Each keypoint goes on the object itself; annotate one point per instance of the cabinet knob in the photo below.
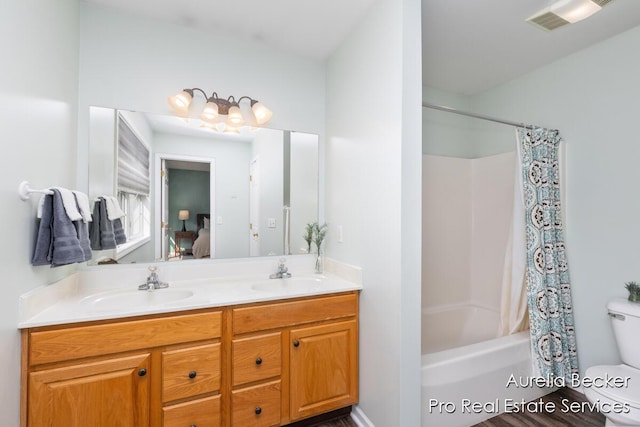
(192, 374)
(142, 372)
(258, 410)
(296, 343)
(259, 361)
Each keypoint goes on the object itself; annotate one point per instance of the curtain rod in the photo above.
(478, 116)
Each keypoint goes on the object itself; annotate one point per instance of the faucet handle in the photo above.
(153, 268)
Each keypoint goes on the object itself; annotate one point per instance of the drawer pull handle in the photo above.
(142, 372)
(192, 374)
(193, 425)
(258, 410)
(296, 343)
(259, 361)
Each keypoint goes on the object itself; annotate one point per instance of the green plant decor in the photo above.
(634, 291)
(309, 229)
(319, 233)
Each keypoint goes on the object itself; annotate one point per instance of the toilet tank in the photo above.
(625, 318)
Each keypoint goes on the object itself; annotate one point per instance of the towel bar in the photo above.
(25, 191)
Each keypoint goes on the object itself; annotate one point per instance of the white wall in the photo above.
(493, 179)
(133, 63)
(446, 230)
(467, 208)
(592, 97)
(38, 95)
(373, 182)
(447, 134)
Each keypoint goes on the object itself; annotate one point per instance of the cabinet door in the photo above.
(324, 371)
(107, 393)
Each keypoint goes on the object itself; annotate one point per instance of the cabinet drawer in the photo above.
(202, 413)
(96, 340)
(271, 316)
(257, 406)
(256, 358)
(190, 371)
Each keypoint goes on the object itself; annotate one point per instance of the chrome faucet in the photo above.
(283, 271)
(153, 282)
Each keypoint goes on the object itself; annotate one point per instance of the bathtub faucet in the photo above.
(283, 271)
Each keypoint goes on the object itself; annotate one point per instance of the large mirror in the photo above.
(208, 194)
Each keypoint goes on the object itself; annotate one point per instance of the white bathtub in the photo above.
(471, 368)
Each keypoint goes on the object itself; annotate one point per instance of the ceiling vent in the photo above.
(564, 12)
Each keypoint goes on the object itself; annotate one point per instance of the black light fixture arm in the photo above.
(223, 104)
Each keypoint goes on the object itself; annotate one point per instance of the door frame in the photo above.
(158, 187)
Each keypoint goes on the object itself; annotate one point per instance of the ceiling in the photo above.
(468, 45)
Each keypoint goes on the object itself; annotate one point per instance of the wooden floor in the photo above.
(339, 418)
(345, 421)
(556, 418)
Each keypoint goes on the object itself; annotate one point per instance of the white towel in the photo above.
(113, 208)
(69, 203)
(41, 206)
(83, 204)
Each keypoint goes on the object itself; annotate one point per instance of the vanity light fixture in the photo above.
(564, 12)
(219, 110)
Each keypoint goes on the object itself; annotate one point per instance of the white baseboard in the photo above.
(358, 416)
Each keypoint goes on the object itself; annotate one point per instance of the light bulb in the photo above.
(574, 10)
(262, 113)
(210, 112)
(181, 102)
(234, 118)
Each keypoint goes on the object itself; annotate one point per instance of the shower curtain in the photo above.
(537, 258)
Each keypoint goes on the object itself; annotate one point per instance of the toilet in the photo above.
(620, 404)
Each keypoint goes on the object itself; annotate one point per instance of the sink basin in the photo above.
(290, 285)
(135, 298)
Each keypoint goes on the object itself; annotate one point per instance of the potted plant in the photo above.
(634, 291)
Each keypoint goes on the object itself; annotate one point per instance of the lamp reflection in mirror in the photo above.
(183, 216)
(222, 111)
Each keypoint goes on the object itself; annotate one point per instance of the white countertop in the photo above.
(87, 296)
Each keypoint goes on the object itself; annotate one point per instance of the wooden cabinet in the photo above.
(323, 368)
(317, 341)
(129, 373)
(113, 392)
(263, 364)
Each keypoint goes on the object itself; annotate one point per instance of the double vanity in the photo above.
(228, 350)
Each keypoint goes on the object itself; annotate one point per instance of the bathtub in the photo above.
(465, 376)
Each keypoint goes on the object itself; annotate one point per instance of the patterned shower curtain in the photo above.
(548, 289)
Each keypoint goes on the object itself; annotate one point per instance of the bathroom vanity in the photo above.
(264, 363)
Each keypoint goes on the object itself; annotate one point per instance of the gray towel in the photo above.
(101, 233)
(57, 242)
(44, 239)
(82, 231)
(118, 231)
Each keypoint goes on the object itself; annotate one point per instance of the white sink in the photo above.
(135, 298)
(290, 285)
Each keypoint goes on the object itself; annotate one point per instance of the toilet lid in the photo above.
(629, 394)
